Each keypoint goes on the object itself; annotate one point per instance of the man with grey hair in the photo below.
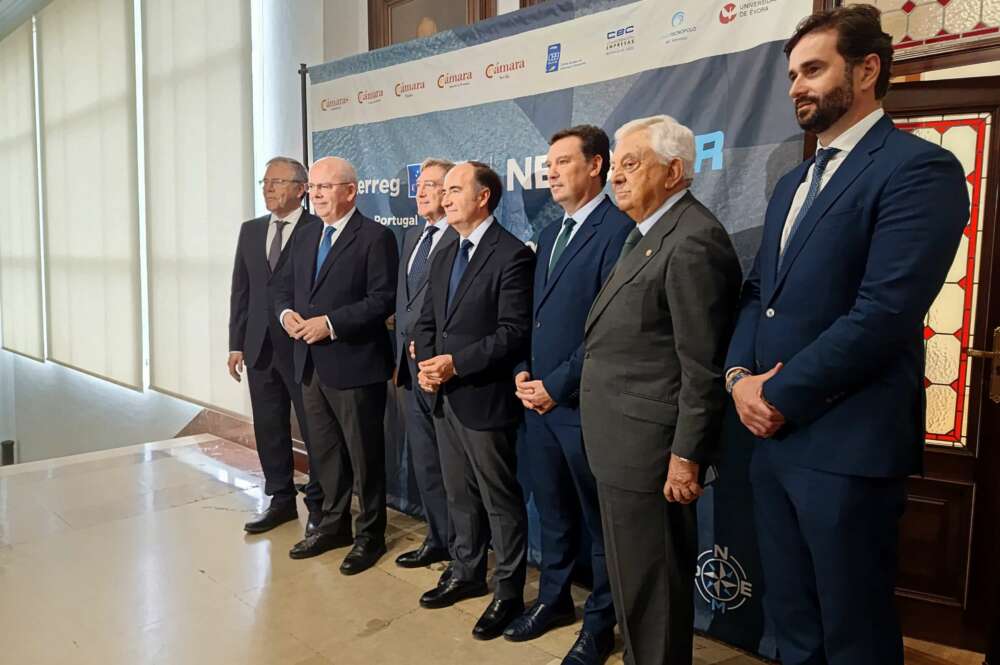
(333, 301)
(257, 342)
(420, 246)
(651, 391)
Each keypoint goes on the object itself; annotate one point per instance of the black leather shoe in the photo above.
(422, 556)
(275, 515)
(590, 648)
(497, 617)
(362, 557)
(446, 575)
(316, 543)
(449, 593)
(538, 620)
(313, 523)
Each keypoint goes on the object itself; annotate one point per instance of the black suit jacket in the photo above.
(487, 329)
(252, 320)
(410, 305)
(356, 288)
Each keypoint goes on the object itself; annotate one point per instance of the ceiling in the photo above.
(15, 12)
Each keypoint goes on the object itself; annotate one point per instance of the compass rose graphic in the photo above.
(721, 580)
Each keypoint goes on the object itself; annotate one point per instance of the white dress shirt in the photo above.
(844, 143)
(476, 236)
(648, 223)
(580, 216)
(272, 228)
(441, 225)
(338, 231)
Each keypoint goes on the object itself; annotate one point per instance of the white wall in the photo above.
(504, 6)
(7, 424)
(345, 28)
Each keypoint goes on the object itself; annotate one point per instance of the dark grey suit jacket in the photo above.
(409, 305)
(655, 342)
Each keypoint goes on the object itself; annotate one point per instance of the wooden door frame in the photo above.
(980, 465)
(380, 24)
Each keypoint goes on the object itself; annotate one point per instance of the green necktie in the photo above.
(633, 239)
(561, 242)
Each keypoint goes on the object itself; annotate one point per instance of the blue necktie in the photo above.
(823, 157)
(418, 271)
(324, 249)
(458, 269)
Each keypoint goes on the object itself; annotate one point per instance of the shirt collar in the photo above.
(646, 224)
(480, 231)
(581, 215)
(292, 218)
(340, 223)
(441, 224)
(846, 141)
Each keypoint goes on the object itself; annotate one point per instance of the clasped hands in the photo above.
(434, 371)
(533, 394)
(308, 330)
(756, 414)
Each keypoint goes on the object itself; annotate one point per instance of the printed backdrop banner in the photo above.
(496, 91)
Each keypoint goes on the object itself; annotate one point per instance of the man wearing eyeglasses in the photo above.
(258, 344)
(333, 301)
(420, 246)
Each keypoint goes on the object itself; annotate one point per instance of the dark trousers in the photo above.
(652, 550)
(566, 498)
(426, 460)
(828, 546)
(348, 443)
(273, 391)
(480, 471)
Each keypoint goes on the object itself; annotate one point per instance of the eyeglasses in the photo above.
(277, 182)
(630, 164)
(324, 186)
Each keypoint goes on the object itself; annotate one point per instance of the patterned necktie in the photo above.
(561, 242)
(458, 269)
(633, 239)
(418, 271)
(823, 157)
(274, 251)
(324, 249)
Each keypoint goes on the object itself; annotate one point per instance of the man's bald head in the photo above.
(333, 187)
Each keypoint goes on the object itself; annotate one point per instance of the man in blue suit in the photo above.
(826, 366)
(575, 256)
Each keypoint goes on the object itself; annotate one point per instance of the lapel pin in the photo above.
(649, 252)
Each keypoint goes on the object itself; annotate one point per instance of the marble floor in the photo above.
(137, 556)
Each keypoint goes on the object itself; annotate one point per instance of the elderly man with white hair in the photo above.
(652, 389)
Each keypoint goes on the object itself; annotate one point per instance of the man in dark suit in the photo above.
(575, 256)
(652, 393)
(338, 294)
(420, 246)
(472, 333)
(257, 341)
(826, 365)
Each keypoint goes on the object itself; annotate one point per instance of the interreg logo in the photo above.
(721, 580)
(678, 19)
(412, 173)
(552, 62)
(728, 13)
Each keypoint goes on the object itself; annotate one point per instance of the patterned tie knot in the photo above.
(823, 156)
(431, 230)
(569, 224)
(466, 246)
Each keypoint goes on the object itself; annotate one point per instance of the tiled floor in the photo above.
(137, 556)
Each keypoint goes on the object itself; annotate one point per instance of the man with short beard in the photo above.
(826, 366)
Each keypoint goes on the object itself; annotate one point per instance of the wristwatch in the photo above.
(734, 378)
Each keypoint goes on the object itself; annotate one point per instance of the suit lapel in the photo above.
(479, 259)
(447, 236)
(304, 220)
(347, 235)
(578, 242)
(410, 241)
(854, 165)
(777, 213)
(626, 269)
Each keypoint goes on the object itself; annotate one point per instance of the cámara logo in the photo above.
(332, 103)
(503, 69)
(454, 79)
(407, 89)
(369, 96)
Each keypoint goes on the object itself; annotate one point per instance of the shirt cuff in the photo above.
(329, 325)
(281, 318)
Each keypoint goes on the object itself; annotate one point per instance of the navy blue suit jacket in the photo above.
(563, 298)
(845, 313)
(356, 288)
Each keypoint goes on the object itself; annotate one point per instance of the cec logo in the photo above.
(721, 580)
(727, 14)
(552, 62)
(678, 19)
(412, 173)
(621, 32)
